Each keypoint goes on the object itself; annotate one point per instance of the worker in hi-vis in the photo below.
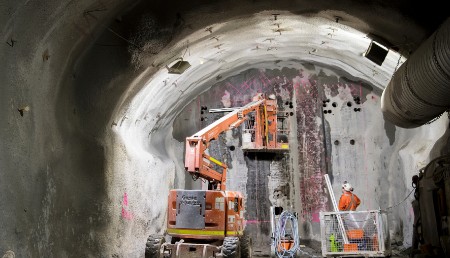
(348, 201)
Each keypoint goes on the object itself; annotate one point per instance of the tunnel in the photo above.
(98, 96)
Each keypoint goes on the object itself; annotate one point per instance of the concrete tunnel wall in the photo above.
(80, 175)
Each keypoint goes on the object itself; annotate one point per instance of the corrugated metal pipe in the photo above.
(419, 91)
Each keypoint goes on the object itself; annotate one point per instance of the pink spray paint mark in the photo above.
(125, 213)
(125, 199)
(315, 217)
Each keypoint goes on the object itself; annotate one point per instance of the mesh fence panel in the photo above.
(363, 231)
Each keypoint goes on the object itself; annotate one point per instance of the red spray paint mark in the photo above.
(311, 145)
(234, 87)
(125, 213)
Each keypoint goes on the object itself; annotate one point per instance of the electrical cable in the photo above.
(286, 219)
(399, 202)
(441, 159)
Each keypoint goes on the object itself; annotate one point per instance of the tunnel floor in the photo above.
(310, 249)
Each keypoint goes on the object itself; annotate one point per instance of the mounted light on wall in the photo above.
(178, 67)
(376, 52)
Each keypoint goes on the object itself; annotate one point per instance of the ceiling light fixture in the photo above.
(178, 67)
(376, 52)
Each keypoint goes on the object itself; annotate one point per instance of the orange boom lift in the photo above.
(210, 223)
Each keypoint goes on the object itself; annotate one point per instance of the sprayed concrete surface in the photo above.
(93, 125)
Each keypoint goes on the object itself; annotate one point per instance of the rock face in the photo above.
(93, 125)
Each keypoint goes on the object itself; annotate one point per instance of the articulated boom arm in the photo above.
(263, 129)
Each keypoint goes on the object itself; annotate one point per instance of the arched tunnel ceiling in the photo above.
(224, 49)
(229, 37)
(224, 33)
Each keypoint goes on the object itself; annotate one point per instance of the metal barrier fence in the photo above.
(366, 233)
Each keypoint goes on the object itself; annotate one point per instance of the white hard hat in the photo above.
(347, 187)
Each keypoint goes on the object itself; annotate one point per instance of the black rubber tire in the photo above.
(231, 247)
(153, 246)
(246, 244)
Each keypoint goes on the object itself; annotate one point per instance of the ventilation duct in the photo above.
(420, 89)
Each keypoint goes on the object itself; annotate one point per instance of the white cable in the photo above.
(286, 219)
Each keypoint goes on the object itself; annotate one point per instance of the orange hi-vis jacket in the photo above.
(349, 201)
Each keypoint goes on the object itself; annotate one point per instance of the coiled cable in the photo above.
(287, 226)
